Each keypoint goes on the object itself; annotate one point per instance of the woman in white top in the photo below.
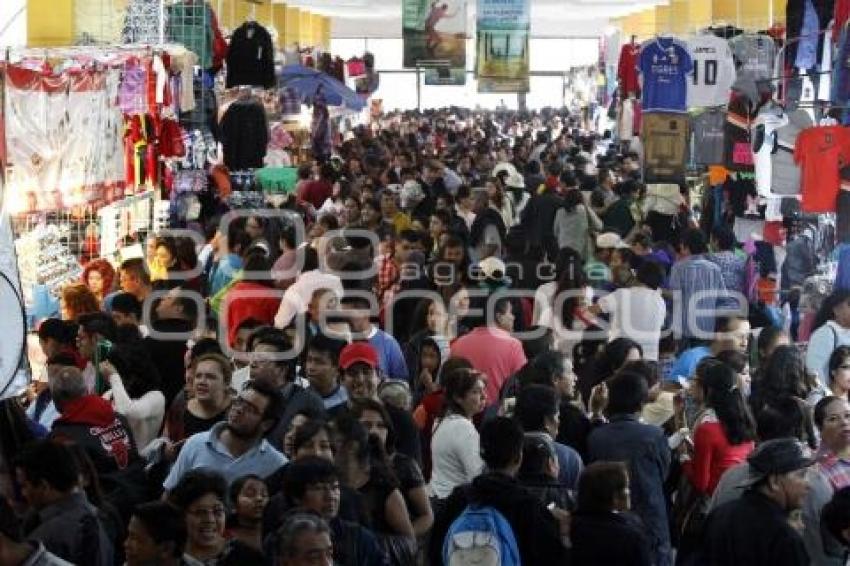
(455, 458)
(134, 390)
(637, 312)
(832, 325)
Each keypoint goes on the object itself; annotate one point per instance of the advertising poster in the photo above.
(434, 33)
(445, 76)
(502, 61)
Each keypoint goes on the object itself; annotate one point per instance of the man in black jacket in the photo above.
(755, 529)
(60, 516)
(537, 530)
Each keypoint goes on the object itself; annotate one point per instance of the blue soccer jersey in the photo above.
(665, 64)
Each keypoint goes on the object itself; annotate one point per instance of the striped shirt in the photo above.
(701, 292)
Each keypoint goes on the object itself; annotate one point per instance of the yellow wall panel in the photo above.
(316, 29)
(293, 26)
(50, 23)
(662, 20)
(779, 11)
(279, 19)
(645, 23)
(306, 34)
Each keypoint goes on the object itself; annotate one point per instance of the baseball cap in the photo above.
(515, 181)
(358, 352)
(610, 240)
(777, 456)
(493, 268)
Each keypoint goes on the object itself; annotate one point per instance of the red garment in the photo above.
(821, 152)
(493, 352)
(842, 15)
(627, 71)
(259, 302)
(315, 192)
(713, 455)
(91, 410)
(219, 46)
(425, 416)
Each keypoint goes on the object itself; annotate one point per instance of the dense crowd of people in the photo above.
(468, 337)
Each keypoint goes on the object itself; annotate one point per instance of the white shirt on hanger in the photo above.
(714, 71)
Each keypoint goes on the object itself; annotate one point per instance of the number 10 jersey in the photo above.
(714, 71)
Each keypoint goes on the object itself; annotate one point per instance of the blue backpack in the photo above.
(481, 536)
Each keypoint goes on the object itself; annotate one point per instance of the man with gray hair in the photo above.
(89, 421)
(304, 539)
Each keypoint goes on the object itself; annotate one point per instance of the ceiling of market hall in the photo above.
(382, 18)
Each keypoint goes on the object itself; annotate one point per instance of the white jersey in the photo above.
(714, 71)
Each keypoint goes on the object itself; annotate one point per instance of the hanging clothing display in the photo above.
(63, 135)
(739, 117)
(821, 151)
(841, 15)
(191, 24)
(250, 57)
(708, 129)
(755, 55)
(665, 143)
(795, 11)
(769, 119)
(244, 134)
(785, 173)
(627, 70)
(841, 73)
(714, 71)
(141, 22)
(665, 64)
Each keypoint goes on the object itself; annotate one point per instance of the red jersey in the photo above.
(821, 152)
(627, 71)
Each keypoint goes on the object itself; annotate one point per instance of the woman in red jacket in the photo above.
(723, 431)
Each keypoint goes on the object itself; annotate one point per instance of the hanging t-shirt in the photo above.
(807, 46)
(841, 69)
(754, 55)
(785, 176)
(739, 117)
(665, 139)
(708, 128)
(714, 71)
(627, 70)
(665, 65)
(821, 151)
(841, 16)
(763, 133)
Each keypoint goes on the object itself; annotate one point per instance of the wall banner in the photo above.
(502, 60)
(434, 33)
(445, 76)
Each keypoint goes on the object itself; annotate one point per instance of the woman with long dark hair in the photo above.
(135, 390)
(454, 444)
(831, 330)
(560, 305)
(839, 372)
(374, 416)
(363, 467)
(724, 430)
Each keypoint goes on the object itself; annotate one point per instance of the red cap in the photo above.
(358, 352)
